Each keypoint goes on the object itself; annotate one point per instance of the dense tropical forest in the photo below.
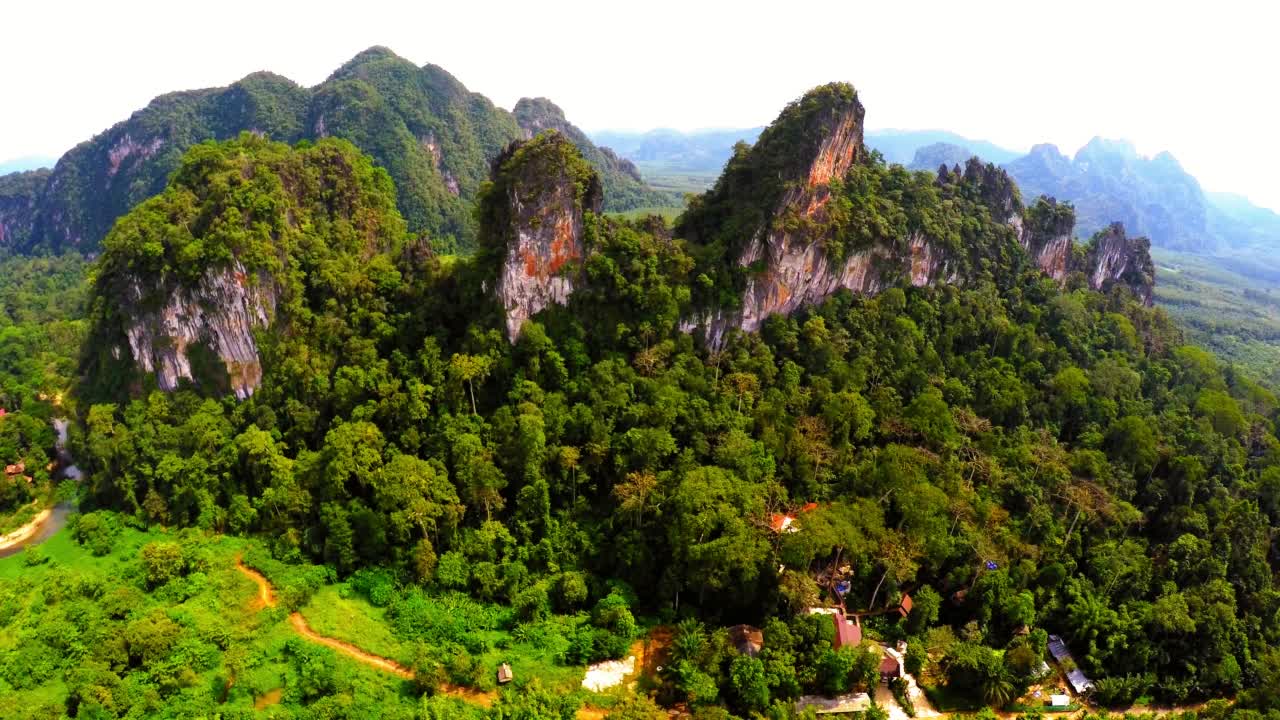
(972, 466)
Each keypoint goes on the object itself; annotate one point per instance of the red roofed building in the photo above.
(781, 522)
(905, 607)
(889, 669)
(847, 633)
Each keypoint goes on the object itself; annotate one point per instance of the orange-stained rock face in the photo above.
(546, 230)
(838, 151)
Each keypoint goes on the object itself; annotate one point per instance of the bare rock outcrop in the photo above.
(251, 245)
(794, 255)
(1114, 259)
(220, 313)
(1045, 231)
(533, 219)
(825, 133)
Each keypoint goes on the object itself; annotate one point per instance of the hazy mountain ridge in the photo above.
(1108, 181)
(696, 151)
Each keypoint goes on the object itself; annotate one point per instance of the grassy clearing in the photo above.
(336, 613)
(668, 212)
(243, 650)
(247, 655)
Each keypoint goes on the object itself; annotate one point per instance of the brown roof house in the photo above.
(504, 674)
(746, 639)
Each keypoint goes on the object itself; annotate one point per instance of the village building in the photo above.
(785, 522)
(746, 639)
(904, 608)
(1079, 681)
(504, 674)
(890, 668)
(847, 633)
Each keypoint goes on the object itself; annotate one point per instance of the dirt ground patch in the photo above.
(272, 697)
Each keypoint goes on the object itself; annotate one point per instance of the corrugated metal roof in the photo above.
(1060, 652)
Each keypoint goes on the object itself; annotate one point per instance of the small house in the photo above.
(781, 523)
(504, 674)
(889, 669)
(847, 633)
(1059, 701)
(904, 608)
(746, 639)
(1061, 653)
(785, 522)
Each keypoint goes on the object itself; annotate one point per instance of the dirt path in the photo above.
(268, 599)
(300, 624)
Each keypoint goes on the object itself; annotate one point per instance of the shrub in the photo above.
(162, 562)
(96, 531)
(451, 571)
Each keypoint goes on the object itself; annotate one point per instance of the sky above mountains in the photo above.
(1177, 76)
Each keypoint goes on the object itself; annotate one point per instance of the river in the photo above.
(57, 519)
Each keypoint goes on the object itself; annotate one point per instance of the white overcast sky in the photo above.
(1194, 78)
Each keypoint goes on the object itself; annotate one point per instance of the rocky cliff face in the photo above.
(796, 270)
(787, 261)
(1113, 258)
(970, 220)
(1045, 231)
(220, 313)
(177, 297)
(533, 219)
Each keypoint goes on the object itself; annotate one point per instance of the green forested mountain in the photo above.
(624, 189)
(19, 195)
(433, 136)
(952, 401)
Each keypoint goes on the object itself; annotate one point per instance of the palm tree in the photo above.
(997, 688)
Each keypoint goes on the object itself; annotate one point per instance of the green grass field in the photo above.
(1228, 305)
(238, 654)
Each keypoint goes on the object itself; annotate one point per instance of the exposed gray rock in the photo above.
(1114, 258)
(221, 313)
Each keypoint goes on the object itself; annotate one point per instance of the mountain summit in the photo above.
(434, 136)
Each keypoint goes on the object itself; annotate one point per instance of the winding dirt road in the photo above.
(268, 599)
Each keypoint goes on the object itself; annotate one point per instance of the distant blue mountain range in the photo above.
(26, 163)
